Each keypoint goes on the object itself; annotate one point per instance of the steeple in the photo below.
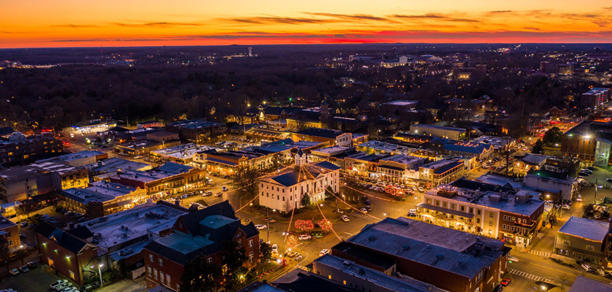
(300, 158)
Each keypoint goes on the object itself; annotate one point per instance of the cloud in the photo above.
(349, 16)
(75, 25)
(156, 24)
(440, 17)
(531, 28)
(276, 20)
(6, 32)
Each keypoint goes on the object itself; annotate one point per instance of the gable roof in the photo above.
(69, 240)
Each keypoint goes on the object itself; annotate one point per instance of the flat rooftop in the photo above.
(375, 277)
(138, 221)
(116, 164)
(586, 228)
(447, 249)
(57, 166)
(436, 127)
(5, 223)
(75, 156)
(184, 243)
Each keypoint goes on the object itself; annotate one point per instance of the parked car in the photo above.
(305, 237)
(209, 193)
(586, 267)
(505, 282)
(601, 272)
(260, 226)
(298, 257)
(323, 252)
(275, 248)
(565, 207)
(579, 198)
(23, 223)
(364, 210)
(31, 265)
(219, 194)
(224, 188)
(57, 283)
(421, 189)
(14, 272)
(345, 218)
(270, 220)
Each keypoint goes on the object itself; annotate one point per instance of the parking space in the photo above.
(37, 279)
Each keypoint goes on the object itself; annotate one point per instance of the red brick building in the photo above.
(198, 233)
(69, 253)
(446, 258)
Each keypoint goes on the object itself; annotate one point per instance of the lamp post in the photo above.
(100, 273)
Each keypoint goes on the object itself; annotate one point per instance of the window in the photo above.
(491, 214)
(478, 220)
(168, 279)
(590, 247)
(566, 242)
(160, 261)
(490, 223)
(161, 276)
(471, 210)
(462, 208)
(155, 274)
(150, 257)
(478, 211)
(505, 218)
(250, 243)
(209, 260)
(504, 226)
(149, 271)
(71, 274)
(251, 257)
(444, 204)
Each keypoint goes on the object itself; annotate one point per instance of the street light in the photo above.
(100, 273)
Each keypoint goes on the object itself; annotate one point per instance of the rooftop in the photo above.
(194, 124)
(372, 276)
(136, 222)
(446, 249)
(586, 228)
(116, 164)
(436, 127)
(56, 166)
(5, 223)
(74, 156)
(184, 243)
(402, 102)
(583, 284)
(325, 133)
(548, 174)
(289, 176)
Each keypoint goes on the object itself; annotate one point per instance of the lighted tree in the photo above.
(326, 225)
(304, 225)
(291, 241)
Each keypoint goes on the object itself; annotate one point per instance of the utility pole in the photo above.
(596, 187)
(268, 227)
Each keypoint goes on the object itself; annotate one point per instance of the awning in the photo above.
(445, 210)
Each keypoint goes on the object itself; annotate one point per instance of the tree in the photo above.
(326, 225)
(553, 136)
(234, 257)
(304, 225)
(329, 192)
(305, 200)
(266, 251)
(538, 147)
(245, 179)
(200, 275)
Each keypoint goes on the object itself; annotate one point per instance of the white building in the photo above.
(285, 189)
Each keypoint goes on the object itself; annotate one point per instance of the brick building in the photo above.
(199, 233)
(446, 258)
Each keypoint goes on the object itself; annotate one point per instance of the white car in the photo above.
(565, 207)
(305, 237)
(421, 189)
(345, 218)
(323, 252)
(364, 210)
(275, 248)
(579, 198)
(260, 226)
(513, 259)
(58, 283)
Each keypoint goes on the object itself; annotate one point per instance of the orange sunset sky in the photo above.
(72, 23)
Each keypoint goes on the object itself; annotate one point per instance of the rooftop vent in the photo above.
(346, 263)
(439, 256)
(405, 247)
(372, 238)
(361, 271)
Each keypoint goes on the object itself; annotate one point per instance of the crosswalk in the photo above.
(361, 215)
(540, 253)
(526, 275)
(301, 267)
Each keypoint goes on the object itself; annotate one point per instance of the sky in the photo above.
(108, 23)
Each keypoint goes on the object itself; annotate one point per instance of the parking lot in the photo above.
(37, 279)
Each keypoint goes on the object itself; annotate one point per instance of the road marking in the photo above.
(301, 267)
(526, 275)
(540, 253)
(350, 234)
(571, 274)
